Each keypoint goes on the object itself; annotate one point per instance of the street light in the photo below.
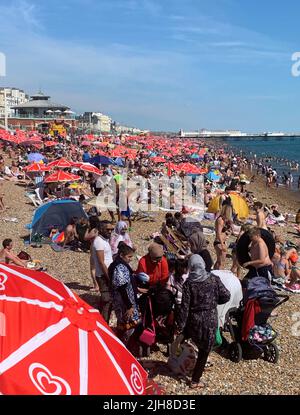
(5, 111)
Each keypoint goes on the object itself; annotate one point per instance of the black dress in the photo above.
(198, 316)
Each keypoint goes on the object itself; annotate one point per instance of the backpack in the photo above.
(24, 256)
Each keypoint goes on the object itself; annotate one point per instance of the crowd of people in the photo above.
(179, 258)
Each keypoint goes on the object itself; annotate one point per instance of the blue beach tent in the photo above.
(55, 214)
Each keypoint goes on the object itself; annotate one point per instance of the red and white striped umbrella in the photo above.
(36, 167)
(61, 176)
(61, 163)
(90, 168)
(53, 343)
(50, 143)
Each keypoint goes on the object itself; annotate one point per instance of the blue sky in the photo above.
(159, 64)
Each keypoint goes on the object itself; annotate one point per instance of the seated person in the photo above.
(293, 280)
(280, 264)
(70, 233)
(7, 256)
(155, 265)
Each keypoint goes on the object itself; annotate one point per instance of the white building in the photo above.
(14, 96)
(95, 122)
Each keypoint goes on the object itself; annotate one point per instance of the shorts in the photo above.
(126, 213)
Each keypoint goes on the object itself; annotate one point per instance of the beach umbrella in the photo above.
(90, 168)
(49, 112)
(58, 111)
(61, 163)
(35, 157)
(54, 343)
(36, 167)
(239, 204)
(158, 160)
(50, 143)
(61, 177)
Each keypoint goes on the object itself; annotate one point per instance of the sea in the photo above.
(283, 153)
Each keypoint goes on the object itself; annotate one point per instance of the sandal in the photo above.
(199, 385)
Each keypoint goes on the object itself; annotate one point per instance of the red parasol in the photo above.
(61, 163)
(53, 343)
(50, 143)
(61, 176)
(90, 168)
(36, 167)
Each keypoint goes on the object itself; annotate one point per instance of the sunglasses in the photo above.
(158, 258)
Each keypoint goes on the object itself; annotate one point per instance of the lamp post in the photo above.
(5, 111)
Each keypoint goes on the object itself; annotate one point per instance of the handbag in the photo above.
(183, 356)
(148, 335)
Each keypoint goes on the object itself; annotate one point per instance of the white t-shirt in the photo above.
(101, 244)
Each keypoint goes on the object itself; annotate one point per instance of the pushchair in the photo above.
(157, 309)
(261, 339)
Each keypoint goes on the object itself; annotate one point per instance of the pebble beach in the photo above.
(249, 377)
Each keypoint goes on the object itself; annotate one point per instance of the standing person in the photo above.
(124, 292)
(260, 263)
(222, 226)
(2, 206)
(198, 317)
(120, 234)
(236, 267)
(101, 258)
(260, 216)
(198, 244)
(155, 265)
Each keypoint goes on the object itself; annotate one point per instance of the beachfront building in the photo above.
(95, 122)
(40, 113)
(10, 97)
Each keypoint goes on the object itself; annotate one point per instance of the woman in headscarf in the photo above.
(198, 244)
(120, 234)
(124, 292)
(198, 317)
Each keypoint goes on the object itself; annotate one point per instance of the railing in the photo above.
(44, 116)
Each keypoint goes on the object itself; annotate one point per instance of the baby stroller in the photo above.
(258, 340)
(157, 308)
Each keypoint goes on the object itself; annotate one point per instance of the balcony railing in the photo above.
(46, 117)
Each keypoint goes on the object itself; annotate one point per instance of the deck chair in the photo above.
(173, 249)
(178, 239)
(33, 198)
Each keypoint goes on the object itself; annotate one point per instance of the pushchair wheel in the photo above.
(144, 351)
(235, 352)
(271, 353)
(141, 350)
(148, 351)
